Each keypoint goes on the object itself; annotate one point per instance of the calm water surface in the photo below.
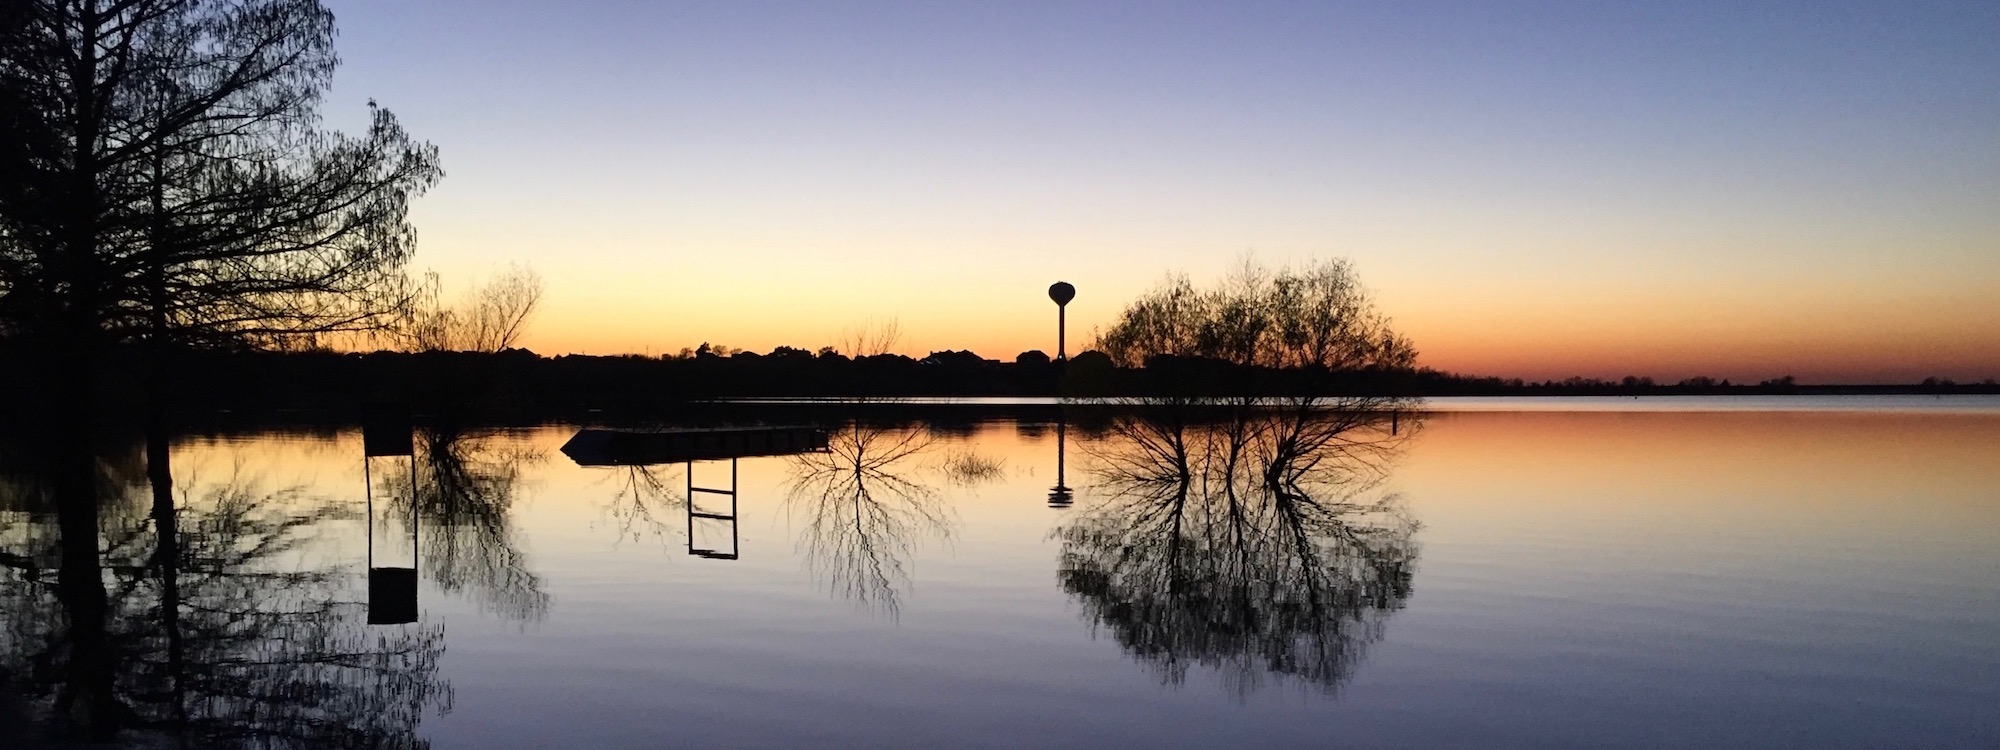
(1661, 578)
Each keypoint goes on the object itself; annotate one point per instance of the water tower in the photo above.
(1062, 293)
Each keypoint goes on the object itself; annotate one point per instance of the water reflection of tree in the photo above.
(863, 514)
(465, 499)
(220, 632)
(645, 503)
(1243, 545)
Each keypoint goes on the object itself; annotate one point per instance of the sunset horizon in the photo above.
(1849, 348)
(1739, 193)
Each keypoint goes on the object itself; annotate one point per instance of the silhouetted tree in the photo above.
(870, 338)
(1268, 348)
(166, 177)
(1314, 320)
(490, 318)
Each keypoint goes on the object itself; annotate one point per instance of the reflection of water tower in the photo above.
(386, 444)
(1060, 496)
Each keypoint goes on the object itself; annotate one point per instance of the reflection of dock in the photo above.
(594, 447)
(597, 447)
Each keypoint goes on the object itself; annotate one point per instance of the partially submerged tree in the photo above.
(1280, 343)
(1316, 317)
(165, 178)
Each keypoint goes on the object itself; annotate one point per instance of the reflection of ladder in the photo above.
(695, 511)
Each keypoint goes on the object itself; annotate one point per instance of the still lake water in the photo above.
(1547, 577)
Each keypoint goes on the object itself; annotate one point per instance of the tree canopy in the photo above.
(167, 176)
(1318, 316)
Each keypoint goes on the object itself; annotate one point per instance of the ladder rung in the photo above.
(705, 489)
(716, 516)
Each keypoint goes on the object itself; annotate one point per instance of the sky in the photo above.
(1535, 190)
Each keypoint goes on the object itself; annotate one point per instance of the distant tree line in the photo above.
(517, 382)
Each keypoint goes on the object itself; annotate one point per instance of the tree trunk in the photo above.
(87, 702)
(166, 561)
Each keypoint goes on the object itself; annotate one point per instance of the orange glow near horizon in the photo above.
(1847, 336)
(1883, 357)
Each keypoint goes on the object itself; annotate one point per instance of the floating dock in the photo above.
(603, 447)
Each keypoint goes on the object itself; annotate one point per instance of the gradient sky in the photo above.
(1535, 190)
